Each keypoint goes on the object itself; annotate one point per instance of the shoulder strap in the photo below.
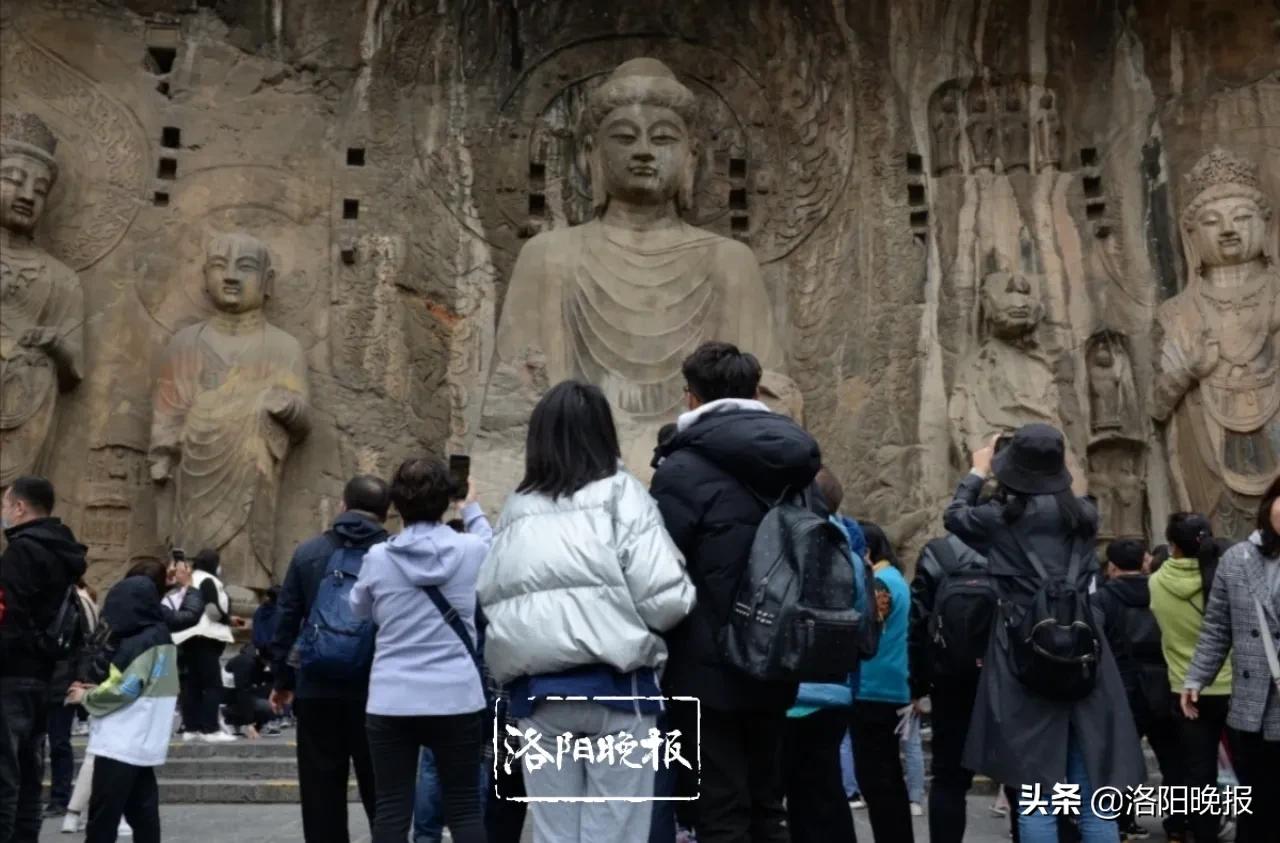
(1073, 566)
(944, 554)
(454, 620)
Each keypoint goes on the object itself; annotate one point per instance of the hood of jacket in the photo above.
(764, 451)
(1134, 590)
(132, 614)
(1181, 577)
(359, 529)
(419, 557)
(56, 539)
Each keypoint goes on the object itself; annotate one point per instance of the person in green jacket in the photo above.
(1179, 592)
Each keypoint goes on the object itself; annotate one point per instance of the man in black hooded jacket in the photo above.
(331, 735)
(730, 458)
(42, 560)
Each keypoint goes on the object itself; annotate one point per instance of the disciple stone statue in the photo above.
(1005, 382)
(1015, 131)
(1048, 134)
(621, 300)
(41, 302)
(946, 136)
(230, 399)
(1107, 383)
(1218, 383)
(981, 127)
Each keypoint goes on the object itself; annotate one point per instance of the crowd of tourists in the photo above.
(738, 613)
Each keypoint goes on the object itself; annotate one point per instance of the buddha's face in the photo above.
(1228, 231)
(1012, 303)
(236, 275)
(643, 149)
(25, 183)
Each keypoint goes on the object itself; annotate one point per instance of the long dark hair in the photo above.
(572, 441)
(878, 545)
(1071, 512)
(1192, 534)
(1270, 538)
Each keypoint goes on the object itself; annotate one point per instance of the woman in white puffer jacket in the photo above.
(579, 584)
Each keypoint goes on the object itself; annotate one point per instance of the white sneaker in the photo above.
(917, 810)
(188, 737)
(70, 823)
(124, 830)
(218, 737)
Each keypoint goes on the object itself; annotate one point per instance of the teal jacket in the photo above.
(884, 677)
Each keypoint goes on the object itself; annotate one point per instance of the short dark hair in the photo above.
(572, 441)
(1159, 554)
(206, 560)
(830, 488)
(1126, 554)
(35, 492)
(420, 489)
(367, 494)
(718, 370)
(152, 569)
(667, 432)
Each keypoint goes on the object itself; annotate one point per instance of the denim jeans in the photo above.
(62, 762)
(913, 762)
(847, 773)
(428, 802)
(1042, 827)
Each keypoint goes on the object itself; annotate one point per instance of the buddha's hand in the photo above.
(1210, 352)
(161, 468)
(43, 338)
(283, 405)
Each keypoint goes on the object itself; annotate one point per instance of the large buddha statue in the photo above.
(41, 302)
(1218, 383)
(230, 399)
(621, 300)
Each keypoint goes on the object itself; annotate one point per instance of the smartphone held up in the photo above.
(460, 475)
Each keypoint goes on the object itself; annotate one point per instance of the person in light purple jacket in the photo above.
(425, 689)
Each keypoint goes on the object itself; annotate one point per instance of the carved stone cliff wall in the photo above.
(881, 159)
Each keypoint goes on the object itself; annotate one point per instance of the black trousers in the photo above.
(875, 757)
(62, 760)
(8, 777)
(1160, 728)
(456, 742)
(202, 689)
(817, 809)
(123, 790)
(331, 740)
(742, 784)
(952, 708)
(1199, 740)
(26, 707)
(1257, 764)
(504, 818)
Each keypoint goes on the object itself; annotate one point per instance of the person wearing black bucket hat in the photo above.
(1034, 523)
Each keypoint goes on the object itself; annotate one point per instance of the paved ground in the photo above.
(283, 824)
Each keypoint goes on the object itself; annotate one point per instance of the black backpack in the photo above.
(1141, 658)
(1054, 643)
(66, 633)
(795, 615)
(964, 606)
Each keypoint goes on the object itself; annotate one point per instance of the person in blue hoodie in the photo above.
(426, 688)
(882, 693)
(817, 810)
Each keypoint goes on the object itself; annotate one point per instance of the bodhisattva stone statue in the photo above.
(981, 127)
(1105, 385)
(1218, 382)
(41, 302)
(621, 300)
(1015, 130)
(1005, 382)
(230, 399)
(946, 135)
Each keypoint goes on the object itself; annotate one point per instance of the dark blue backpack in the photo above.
(334, 643)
